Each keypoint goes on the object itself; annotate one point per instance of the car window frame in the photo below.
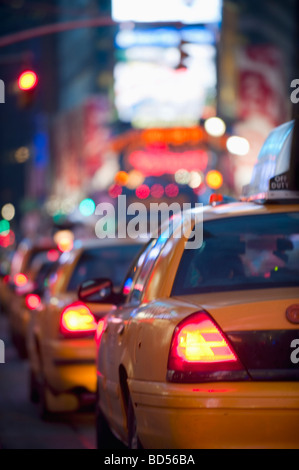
(160, 243)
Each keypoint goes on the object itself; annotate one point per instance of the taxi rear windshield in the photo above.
(111, 262)
(240, 253)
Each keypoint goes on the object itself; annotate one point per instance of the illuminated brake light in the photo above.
(20, 280)
(199, 345)
(32, 301)
(77, 319)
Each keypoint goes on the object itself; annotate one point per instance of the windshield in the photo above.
(110, 262)
(240, 253)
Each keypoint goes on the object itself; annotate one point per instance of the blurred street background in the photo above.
(157, 100)
(123, 106)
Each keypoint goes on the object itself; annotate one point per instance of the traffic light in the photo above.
(27, 82)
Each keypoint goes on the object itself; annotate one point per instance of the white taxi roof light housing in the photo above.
(270, 179)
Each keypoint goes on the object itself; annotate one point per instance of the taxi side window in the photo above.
(141, 277)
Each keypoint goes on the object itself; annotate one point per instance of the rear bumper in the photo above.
(69, 365)
(226, 415)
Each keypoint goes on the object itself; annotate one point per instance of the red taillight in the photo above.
(32, 301)
(198, 345)
(77, 319)
(20, 280)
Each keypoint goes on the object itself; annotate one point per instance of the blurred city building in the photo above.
(258, 59)
(129, 107)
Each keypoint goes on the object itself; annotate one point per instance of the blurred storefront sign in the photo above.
(96, 114)
(157, 162)
(262, 84)
(165, 77)
(163, 37)
(183, 11)
(227, 65)
(175, 136)
(261, 104)
(80, 139)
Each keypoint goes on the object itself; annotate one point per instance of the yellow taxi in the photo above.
(27, 293)
(29, 266)
(60, 338)
(5, 262)
(204, 351)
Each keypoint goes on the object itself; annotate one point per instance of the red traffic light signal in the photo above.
(27, 80)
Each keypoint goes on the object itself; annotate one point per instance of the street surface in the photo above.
(20, 425)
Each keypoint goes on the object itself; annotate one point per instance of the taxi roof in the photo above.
(237, 209)
(97, 242)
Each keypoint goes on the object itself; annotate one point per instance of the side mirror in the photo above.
(96, 290)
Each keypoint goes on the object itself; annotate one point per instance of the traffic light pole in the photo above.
(54, 28)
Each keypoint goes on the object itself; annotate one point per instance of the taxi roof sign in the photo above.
(270, 179)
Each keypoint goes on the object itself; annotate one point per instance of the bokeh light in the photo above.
(121, 178)
(33, 301)
(27, 80)
(214, 179)
(238, 145)
(7, 239)
(22, 154)
(20, 280)
(8, 211)
(135, 179)
(53, 255)
(196, 178)
(115, 190)
(87, 207)
(171, 190)
(157, 191)
(143, 191)
(64, 240)
(182, 176)
(215, 127)
(4, 227)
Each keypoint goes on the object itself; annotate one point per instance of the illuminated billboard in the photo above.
(153, 11)
(154, 87)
